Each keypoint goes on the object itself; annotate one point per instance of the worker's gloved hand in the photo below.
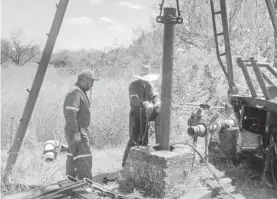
(84, 131)
(157, 104)
(77, 137)
(84, 134)
(147, 104)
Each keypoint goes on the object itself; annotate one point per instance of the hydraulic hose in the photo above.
(207, 165)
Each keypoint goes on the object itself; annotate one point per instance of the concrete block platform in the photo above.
(161, 174)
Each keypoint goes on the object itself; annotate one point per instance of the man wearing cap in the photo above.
(144, 108)
(76, 111)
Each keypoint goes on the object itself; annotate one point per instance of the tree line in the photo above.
(17, 49)
(250, 28)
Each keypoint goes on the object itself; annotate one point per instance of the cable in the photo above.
(161, 7)
(178, 9)
(206, 163)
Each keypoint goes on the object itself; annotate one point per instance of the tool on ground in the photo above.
(53, 193)
(104, 192)
(73, 187)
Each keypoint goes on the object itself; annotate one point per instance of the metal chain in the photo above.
(161, 8)
(178, 19)
(178, 9)
(159, 18)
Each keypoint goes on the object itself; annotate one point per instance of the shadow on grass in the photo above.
(247, 176)
(115, 182)
(105, 178)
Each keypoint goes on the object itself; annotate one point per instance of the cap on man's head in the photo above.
(86, 73)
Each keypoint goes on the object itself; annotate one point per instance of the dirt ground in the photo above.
(242, 181)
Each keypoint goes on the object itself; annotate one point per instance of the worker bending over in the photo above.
(144, 107)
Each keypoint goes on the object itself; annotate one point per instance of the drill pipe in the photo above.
(199, 130)
(217, 126)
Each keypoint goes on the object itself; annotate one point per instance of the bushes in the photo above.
(197, 78)
(17, 50)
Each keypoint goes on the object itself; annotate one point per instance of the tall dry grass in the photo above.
(109, 107)
(197, 78)
(109, 123)
(31, 171)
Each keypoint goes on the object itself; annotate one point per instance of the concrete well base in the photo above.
(161, 174)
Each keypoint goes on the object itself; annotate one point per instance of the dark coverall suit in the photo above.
(77, 116)
(138, 94)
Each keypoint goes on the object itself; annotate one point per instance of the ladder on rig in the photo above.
(228, 71)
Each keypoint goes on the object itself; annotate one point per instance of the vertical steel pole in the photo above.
(232, 87)
(167, 71)
(272, 15)
(32, 98)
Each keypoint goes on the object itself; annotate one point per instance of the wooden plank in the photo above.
(32, 98)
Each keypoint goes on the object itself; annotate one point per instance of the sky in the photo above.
(88, 24)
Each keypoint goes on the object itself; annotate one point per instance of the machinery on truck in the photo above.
(254, 126)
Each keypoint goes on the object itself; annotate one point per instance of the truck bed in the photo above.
(258, 102)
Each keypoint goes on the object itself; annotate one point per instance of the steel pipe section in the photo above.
(202, 129)
(199, 130)
(217, 126)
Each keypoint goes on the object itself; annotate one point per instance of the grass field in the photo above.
(109, 122)
(109, 107)
(196, 79)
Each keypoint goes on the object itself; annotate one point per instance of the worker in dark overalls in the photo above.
(144, 103)
(77, 117)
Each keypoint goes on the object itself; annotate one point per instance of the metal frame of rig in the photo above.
(255, 114)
